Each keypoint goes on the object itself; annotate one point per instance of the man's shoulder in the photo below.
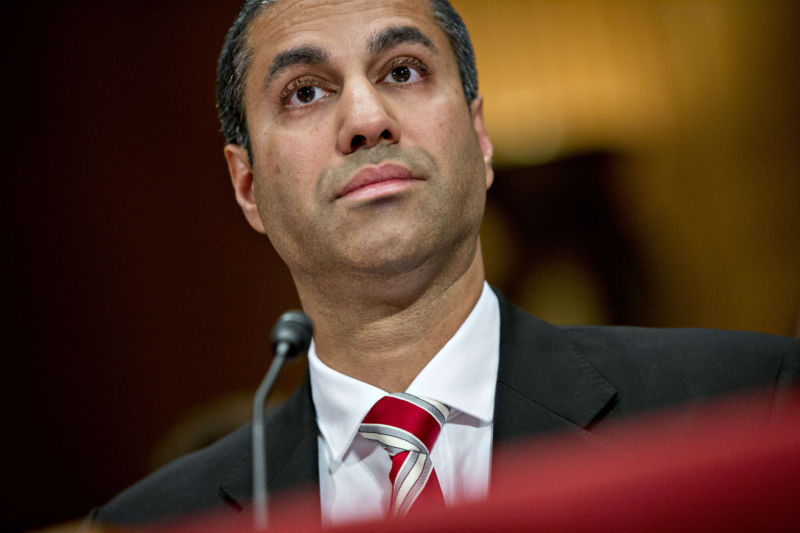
(188, 484)
(687, 346)
(689, 343)
(653, 367)
(662, 366)
(219, 476)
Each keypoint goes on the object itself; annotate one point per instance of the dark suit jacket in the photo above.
(550, 379)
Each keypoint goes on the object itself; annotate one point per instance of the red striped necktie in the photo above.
(407, 427)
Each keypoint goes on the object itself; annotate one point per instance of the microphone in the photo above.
(290, 336)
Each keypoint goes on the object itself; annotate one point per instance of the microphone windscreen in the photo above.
(295, 329)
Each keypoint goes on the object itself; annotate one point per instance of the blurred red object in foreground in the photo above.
(733, 465)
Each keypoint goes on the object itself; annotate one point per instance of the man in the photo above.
(356, 143)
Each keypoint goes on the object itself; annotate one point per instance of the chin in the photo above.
(387, 264)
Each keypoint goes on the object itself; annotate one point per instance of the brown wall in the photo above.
(137, 289)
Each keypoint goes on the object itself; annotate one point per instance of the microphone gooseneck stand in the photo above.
(290, 337)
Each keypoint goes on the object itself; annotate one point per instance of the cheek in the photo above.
(452, 136)
(444, 122)
(285, 177)
(286, 191)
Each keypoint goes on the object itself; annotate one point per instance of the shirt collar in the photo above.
(462, 375)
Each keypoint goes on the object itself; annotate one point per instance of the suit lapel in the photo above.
(544, 384)
(292, 457)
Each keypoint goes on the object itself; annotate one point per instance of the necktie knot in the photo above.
(407, 427)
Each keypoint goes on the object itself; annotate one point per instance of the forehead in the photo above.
(333, 23)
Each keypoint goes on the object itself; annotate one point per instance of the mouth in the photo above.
(374, 182)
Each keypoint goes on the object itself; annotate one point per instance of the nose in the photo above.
(366, 119)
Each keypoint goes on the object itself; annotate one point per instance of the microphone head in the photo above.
(294, 329)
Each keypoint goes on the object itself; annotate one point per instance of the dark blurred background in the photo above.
(647, 161)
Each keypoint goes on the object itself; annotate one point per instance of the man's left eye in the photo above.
(403, 74)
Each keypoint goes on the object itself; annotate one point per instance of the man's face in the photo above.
(366, 157)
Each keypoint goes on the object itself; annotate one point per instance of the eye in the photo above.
(302, 93)
(405, 71)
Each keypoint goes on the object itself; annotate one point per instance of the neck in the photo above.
(383, 332)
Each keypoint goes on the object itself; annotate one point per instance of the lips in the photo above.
(386, 177)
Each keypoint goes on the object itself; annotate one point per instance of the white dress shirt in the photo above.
(354, 472)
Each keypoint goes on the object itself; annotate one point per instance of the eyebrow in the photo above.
(314, 55)
(301, 55)
(395, 35)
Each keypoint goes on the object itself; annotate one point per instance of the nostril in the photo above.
(357, 142)
(386, 134)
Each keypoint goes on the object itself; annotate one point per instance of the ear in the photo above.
(476, 107)
(242, 179)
